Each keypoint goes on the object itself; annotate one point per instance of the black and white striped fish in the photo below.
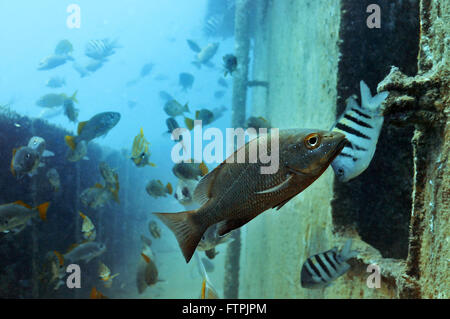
(320, 270)
(101, 49)
(361, 126)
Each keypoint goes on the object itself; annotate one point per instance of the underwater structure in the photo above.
(25, 256)
(397, 210)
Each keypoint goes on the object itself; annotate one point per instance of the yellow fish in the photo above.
(105, 274)
(88, 228)
(140, 153)
(95, 294)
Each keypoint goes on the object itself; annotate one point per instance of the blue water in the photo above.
(148, 32)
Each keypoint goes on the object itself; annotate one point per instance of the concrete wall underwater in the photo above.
(313, 54)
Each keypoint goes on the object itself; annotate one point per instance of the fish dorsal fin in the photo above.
(203, 289)
(80, 126)
(202, 191)
(82, 215)
(60, 258)
(351, 103)
(203, 168)
(21, 203)
(189, 123)
(169, 188)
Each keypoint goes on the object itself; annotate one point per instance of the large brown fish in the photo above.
(235, 193)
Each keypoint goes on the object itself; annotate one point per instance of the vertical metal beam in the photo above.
(241, 33)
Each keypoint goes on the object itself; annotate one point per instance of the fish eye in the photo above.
(312, 141)
(340, 172)
(27, 156)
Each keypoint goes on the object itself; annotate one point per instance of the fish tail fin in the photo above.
(70, 141)
(42, 209)
(189, 123)
(74, 96)
(370, 102)
(60, 258)
(346, 252)
(186, 107)
(187, 232)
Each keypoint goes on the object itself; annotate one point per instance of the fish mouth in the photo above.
(339, 147)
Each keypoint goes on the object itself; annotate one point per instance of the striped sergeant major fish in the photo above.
(320, 270)
(361, 126)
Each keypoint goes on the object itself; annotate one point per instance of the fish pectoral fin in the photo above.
(276, 188)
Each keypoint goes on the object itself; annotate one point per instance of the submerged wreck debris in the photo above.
(415, 100)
